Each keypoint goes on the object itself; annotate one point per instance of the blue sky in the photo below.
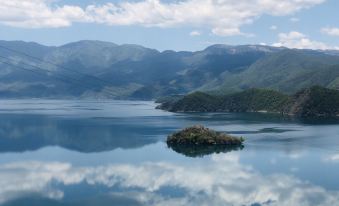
(174, 24)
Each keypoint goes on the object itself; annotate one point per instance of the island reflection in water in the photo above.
(203, 150)
(66, 154)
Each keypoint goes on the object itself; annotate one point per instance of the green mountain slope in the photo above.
(286, 71)
(247, 101)
(312, 102)
(315, 101)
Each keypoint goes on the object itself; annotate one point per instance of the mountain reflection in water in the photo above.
(31, 132)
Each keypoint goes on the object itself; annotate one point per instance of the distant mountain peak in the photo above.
(242, 48)
(83, 43)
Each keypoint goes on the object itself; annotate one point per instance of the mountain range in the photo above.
(96, 69)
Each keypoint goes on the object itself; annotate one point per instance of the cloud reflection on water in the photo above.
(221, 181)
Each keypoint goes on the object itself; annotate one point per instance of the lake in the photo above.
(67, 152)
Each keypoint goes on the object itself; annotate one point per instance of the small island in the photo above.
(198, 141)
(202, 136)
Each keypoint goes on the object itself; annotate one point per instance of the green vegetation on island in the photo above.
(312, 102)
(199, 135)
(198, 141)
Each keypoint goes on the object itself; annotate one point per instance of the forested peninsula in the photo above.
(311, 102)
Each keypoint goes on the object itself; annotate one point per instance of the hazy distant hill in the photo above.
(98, 69)
(287, 70)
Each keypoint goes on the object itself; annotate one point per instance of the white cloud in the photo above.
(223, 17)
(294, 19)
(37, 13)
(195, 33)
(332, 31)
(298, 40)
(273, 27)
(333, 158)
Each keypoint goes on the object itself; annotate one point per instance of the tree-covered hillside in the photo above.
(311, 102)
(247, 101)
(316, 100)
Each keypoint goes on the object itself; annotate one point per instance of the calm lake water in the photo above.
(114, 153)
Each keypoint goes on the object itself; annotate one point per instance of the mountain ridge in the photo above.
(98, 69)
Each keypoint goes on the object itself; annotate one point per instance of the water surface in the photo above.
(63, 152)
